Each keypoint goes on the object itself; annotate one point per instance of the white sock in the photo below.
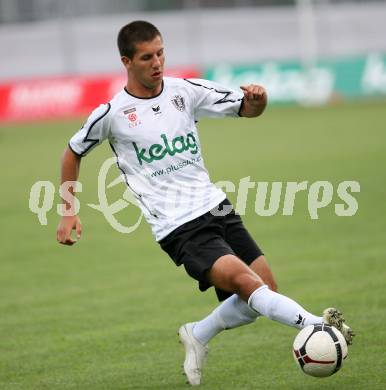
(279, 308)
(231, 313)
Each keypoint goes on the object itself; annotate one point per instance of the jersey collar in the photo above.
(146, 98)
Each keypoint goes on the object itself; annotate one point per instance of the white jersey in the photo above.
(157, 147)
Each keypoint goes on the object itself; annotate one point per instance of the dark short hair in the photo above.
(133, 33)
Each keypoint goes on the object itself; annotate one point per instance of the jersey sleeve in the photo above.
(94, 131)
(211, 99)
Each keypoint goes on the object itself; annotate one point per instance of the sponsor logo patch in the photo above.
(131, 114)
(178, 144)
(132, 117)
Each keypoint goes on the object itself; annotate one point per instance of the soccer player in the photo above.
(151, 128)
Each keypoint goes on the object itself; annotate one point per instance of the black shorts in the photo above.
(197, 244)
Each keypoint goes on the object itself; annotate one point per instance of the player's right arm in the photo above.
(95, 130)
(69, 173)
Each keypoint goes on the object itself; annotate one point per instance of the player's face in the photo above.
(146, 66)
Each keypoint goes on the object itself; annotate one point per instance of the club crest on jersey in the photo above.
(178, 102)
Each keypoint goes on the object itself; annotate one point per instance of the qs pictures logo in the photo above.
(42, 194)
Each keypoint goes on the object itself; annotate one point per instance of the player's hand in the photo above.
(254, 94)
(66, 225)
(255, 100)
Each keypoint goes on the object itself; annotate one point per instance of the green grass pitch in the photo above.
(104, 313)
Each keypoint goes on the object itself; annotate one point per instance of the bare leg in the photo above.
(261, 268)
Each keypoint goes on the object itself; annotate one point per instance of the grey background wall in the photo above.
(193, 37)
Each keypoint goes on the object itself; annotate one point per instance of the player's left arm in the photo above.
(254, 101)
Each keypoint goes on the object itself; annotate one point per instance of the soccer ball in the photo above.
(319, 350)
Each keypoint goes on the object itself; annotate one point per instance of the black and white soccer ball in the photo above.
(319, 350)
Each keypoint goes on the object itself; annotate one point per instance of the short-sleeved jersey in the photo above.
(156, 143)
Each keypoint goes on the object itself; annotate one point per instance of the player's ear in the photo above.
(126, 61)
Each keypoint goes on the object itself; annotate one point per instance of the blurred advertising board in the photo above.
(64, 97)
(286, 82)
(292, 82)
